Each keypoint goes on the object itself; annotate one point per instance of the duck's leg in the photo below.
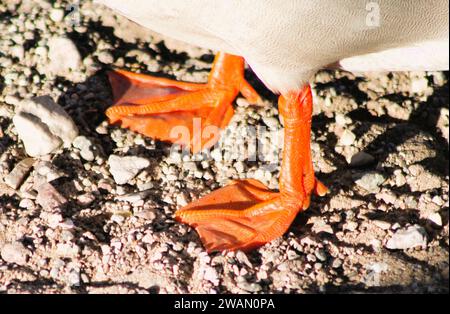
(159, 107)
(246, 214)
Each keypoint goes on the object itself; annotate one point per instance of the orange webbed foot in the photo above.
(241, 216)
(189, 114)
(246, 214)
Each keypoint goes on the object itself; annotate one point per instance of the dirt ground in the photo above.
(74, 221)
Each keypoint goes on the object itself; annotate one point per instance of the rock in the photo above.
(67, 250)
(410, 237)
(57, 15)
(321, 255)
(105, 57)
(63, 55)
(181, 200)
(6, 111)
(134, 197)
(87, 149)
(15, 253)
(248, 287)
(46, 172)
(66, 224)
(49, 198)
(419, 85)
(117, 218)
(18, 174)
(371, 181)
(26, 203)
(400, 179)
(398, 112)
(347, 138)
(58, 264)
(437, 200)
(73, 277)
(421, 179)
(126, 168)
(311, 258)
(336, 263)
(53, 220)
(18, 51)
(85, 199)
(271, 122)
(11, 100)
(146, 214)
(43, 125)
(319, 225)
(382, 224)
(435, 218)
(239, 166)
(378, 267)
(443, 123)
(361, 159)
(350, 226)
(342, 120)
(37, 139)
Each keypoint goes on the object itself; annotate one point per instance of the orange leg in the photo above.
(156, 107)
(246, 214)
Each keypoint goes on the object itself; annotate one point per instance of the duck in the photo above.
(285, 42)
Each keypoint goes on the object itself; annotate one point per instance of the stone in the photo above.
(126, 168)
(361, 159)
(37, 139)
(321, 255)
(398, 112)
(18, 174)
(435, 218)
(419, 85)
(347, 138)
(57, 15)
(336, 263)
(49, 198)
(87, 149)
(64, 56)
(382, 224)
(46, 172)
(134, 197)
(371, 181)
(105, 57)
(421, 179)
(18, 51)
(43, 125)
(319, 225)
(342, 120)
(67, 250)
(413, 236)
(181, 200)
(15, 253)
(271, 122)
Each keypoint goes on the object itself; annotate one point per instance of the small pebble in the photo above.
(347, 138)
(15, 253)
(413, 236)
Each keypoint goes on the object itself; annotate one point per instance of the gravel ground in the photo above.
(88, 208)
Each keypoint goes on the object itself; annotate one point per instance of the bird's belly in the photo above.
(426, 56)
(287, 41)
(176, 19)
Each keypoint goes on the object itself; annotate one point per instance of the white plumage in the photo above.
(287, 41)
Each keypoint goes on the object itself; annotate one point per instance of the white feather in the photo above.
(287, 41)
